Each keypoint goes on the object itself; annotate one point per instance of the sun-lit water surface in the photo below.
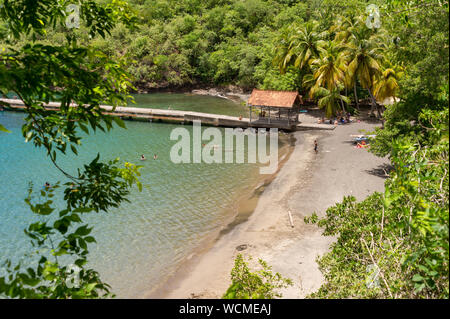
(189, 102)
(143, 241)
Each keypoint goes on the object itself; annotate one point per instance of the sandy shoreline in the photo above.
(243, 207)
(307, 183)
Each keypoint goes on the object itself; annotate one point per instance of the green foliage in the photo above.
(402, 233)
(79, 77)
(215, 42)
(396, 244)
(261, 284)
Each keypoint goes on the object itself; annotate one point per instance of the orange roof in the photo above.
(274, 98)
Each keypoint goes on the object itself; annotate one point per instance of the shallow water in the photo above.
(189, 102)
(142, 242)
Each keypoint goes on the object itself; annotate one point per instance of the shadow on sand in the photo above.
(381, 171)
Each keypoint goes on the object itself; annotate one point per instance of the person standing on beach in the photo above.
(315, 146)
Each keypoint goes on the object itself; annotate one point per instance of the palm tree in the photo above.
(346, 27)
(349, 29)
(299, 46)
(329, 99)
(328, 70)
(308, 82)
(387, 86)
(330, 67)
(362, 56)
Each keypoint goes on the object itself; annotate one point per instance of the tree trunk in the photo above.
(373, 103)
(342, 105)
(356, 96)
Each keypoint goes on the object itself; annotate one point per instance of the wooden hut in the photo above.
(274, 108)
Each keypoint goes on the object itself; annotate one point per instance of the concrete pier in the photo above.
(174, 116)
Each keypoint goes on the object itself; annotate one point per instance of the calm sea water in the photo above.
(189, 102)
(143, 241)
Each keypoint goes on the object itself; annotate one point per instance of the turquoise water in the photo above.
(190, 102)
(184, 102)
(142, 242)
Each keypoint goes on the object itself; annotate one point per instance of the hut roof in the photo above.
(274, 98)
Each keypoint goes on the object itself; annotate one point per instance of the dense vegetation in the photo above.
(181, 43)
(396, 244)
(259, 284)
(391, 245)
(68, 72)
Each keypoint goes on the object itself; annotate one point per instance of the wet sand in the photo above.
(306, 183)
(243, 207)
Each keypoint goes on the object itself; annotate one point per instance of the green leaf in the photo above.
(119, 122)
(74, 150)
(3, 129)
(83, 230)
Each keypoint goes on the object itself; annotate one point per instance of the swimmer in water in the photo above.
(143, 157)
(155, 156)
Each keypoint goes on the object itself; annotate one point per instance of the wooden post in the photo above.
(290, 219)
(289, 114)
(269, 114)
(250, 115)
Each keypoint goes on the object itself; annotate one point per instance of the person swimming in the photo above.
(143, 157)
(155, 156)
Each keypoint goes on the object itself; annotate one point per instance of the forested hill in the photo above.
(216, 42)
(184, 43)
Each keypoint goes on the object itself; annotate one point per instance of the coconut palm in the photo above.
(329, 99)
(363, 58)
(387, 84)
(299, 47)
(330, 67)
(308, 82)
(346, 27)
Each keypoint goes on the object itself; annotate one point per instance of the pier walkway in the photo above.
(174, 116)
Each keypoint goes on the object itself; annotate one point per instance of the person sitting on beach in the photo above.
(143, 157)
(362, 144)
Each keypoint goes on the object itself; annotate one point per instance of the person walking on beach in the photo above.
(315, 146)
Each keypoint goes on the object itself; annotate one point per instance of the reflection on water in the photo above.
(190, 102)
(143, 241)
